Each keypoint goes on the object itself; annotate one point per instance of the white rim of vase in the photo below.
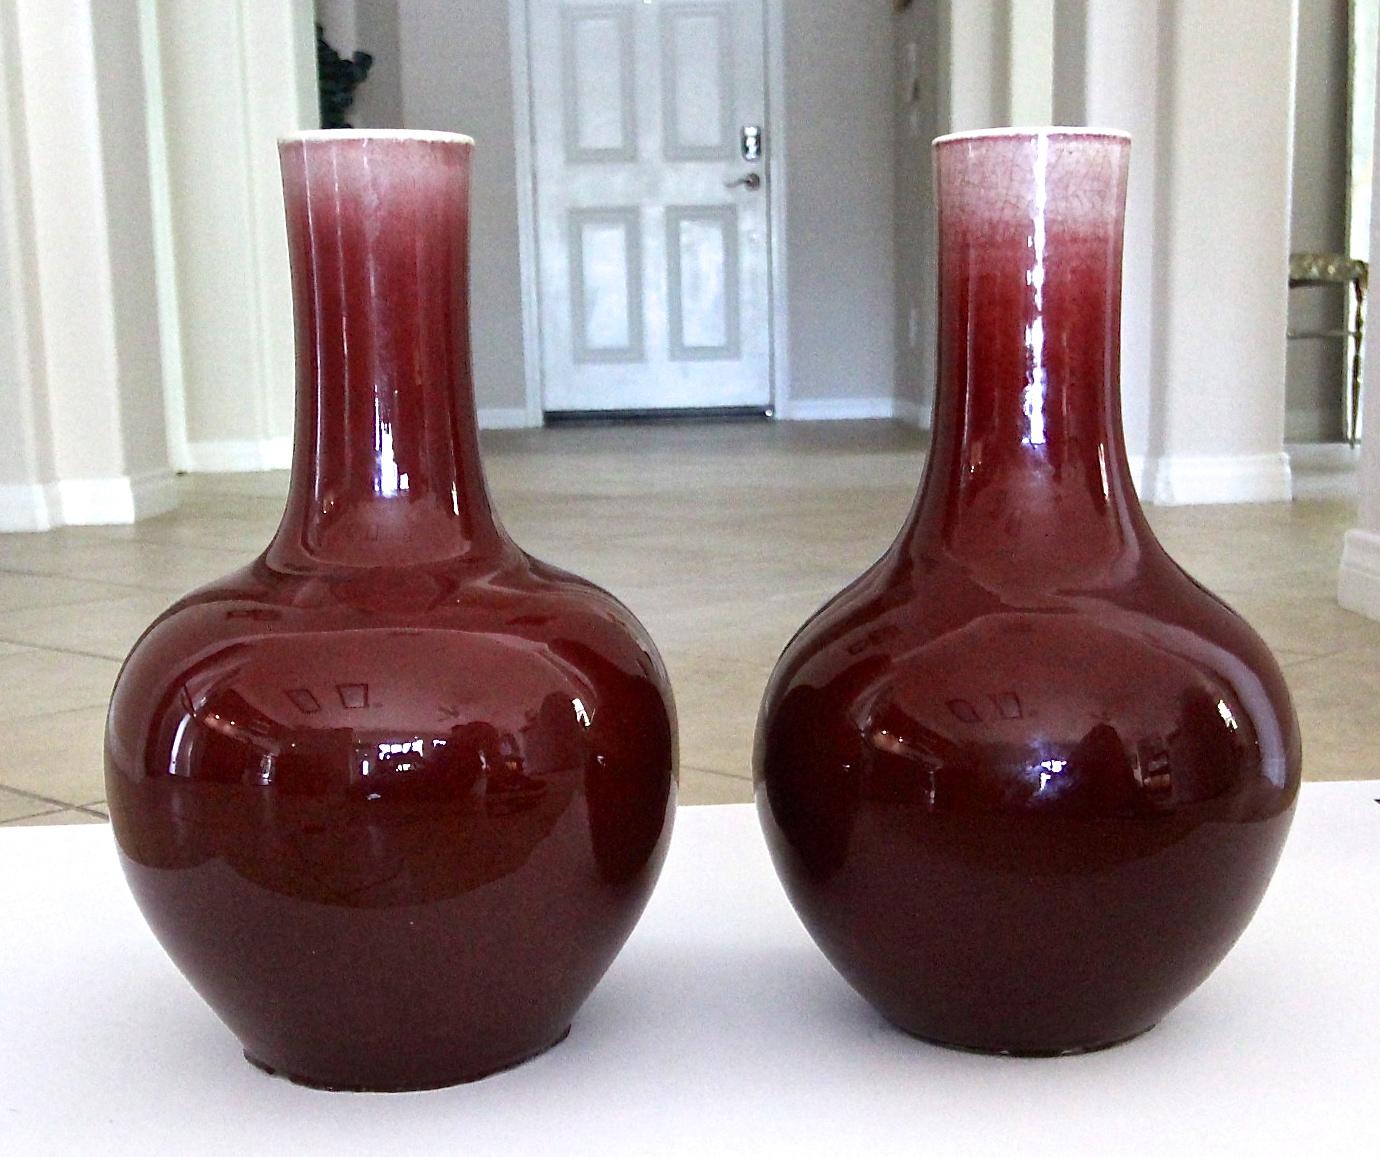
(307, 135)
(1035, 131)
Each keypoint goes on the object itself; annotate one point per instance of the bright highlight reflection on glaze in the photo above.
(393, 795)
(1025, 781)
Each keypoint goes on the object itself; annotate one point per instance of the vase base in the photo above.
(1028, 1053)
(464, 1078)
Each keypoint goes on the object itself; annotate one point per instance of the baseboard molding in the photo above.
(113, 501)
(1184, 480)
(836, 409)
(1358, 577)
(506, 418)
(240, 456)
(248, 455)
(27, 506)
(87, 501)
(913, 413)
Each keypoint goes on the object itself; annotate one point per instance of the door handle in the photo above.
(751, 182)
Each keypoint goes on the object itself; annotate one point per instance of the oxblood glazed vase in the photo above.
(393, 795)
(1025, 781)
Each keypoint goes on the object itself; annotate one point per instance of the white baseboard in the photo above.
(1184, 480)
(241, 456)
(836, 409)
(113, 501)
(1358, 578)
(248, 455)
(87, 501)
(913, 413)
(29, 506)
(506, 418)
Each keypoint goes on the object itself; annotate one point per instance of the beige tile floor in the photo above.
(721, 537)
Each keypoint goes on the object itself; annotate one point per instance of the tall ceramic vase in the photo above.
(393, 795)
(1025, 781)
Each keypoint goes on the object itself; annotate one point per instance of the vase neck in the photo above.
(385, 467)
(1027, 470)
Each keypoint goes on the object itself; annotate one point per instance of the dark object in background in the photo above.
(336, 79)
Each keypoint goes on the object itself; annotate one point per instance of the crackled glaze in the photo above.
(393, 795)
(1025, 781)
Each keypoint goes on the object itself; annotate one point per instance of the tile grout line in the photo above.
(747, 779)
(31, 647)
(57, 804)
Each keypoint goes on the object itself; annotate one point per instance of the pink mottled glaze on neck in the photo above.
(378, 227)
(1027, 402)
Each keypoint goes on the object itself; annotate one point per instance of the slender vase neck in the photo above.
(385, 466)
(1027, 472)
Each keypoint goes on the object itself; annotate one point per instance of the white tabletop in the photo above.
(720, 1029)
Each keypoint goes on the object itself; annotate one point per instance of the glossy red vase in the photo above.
(393, 795)
(1025, 781)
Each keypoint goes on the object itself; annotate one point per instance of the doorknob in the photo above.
(751, 181)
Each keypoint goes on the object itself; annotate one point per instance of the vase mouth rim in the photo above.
(1035, 133)
(308, 136)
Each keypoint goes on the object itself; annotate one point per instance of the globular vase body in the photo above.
(393, 795)
(1025, 781)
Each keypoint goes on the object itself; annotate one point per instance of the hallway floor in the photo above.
(722, 538)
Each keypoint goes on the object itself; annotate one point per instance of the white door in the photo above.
(651, 168)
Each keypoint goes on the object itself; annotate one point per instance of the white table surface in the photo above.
(720, 1029)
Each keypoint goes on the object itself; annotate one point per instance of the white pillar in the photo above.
(1206, 88)
(84, 439)
(1107, 55)
(1219, 436)
(1029, 62)
(229, 275)
(1358, 578)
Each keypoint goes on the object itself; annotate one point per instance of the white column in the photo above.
(973, 80)
(224, 219)
(1358, 578)
(1206, 89)
(1030, 62)
(1107, 55)
(1219, 436)
(84, 440)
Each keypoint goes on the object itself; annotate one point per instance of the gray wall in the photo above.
(840, 213)
(917, 123)
(378, 101)
(1318, 217)
(456, 75)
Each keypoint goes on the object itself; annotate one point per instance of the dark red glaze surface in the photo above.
(1025, 781)
(393, 795)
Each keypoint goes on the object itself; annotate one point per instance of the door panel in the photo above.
(654, 268)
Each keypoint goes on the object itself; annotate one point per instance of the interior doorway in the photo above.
(651, 168)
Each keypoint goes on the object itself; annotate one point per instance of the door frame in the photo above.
(524, 157)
